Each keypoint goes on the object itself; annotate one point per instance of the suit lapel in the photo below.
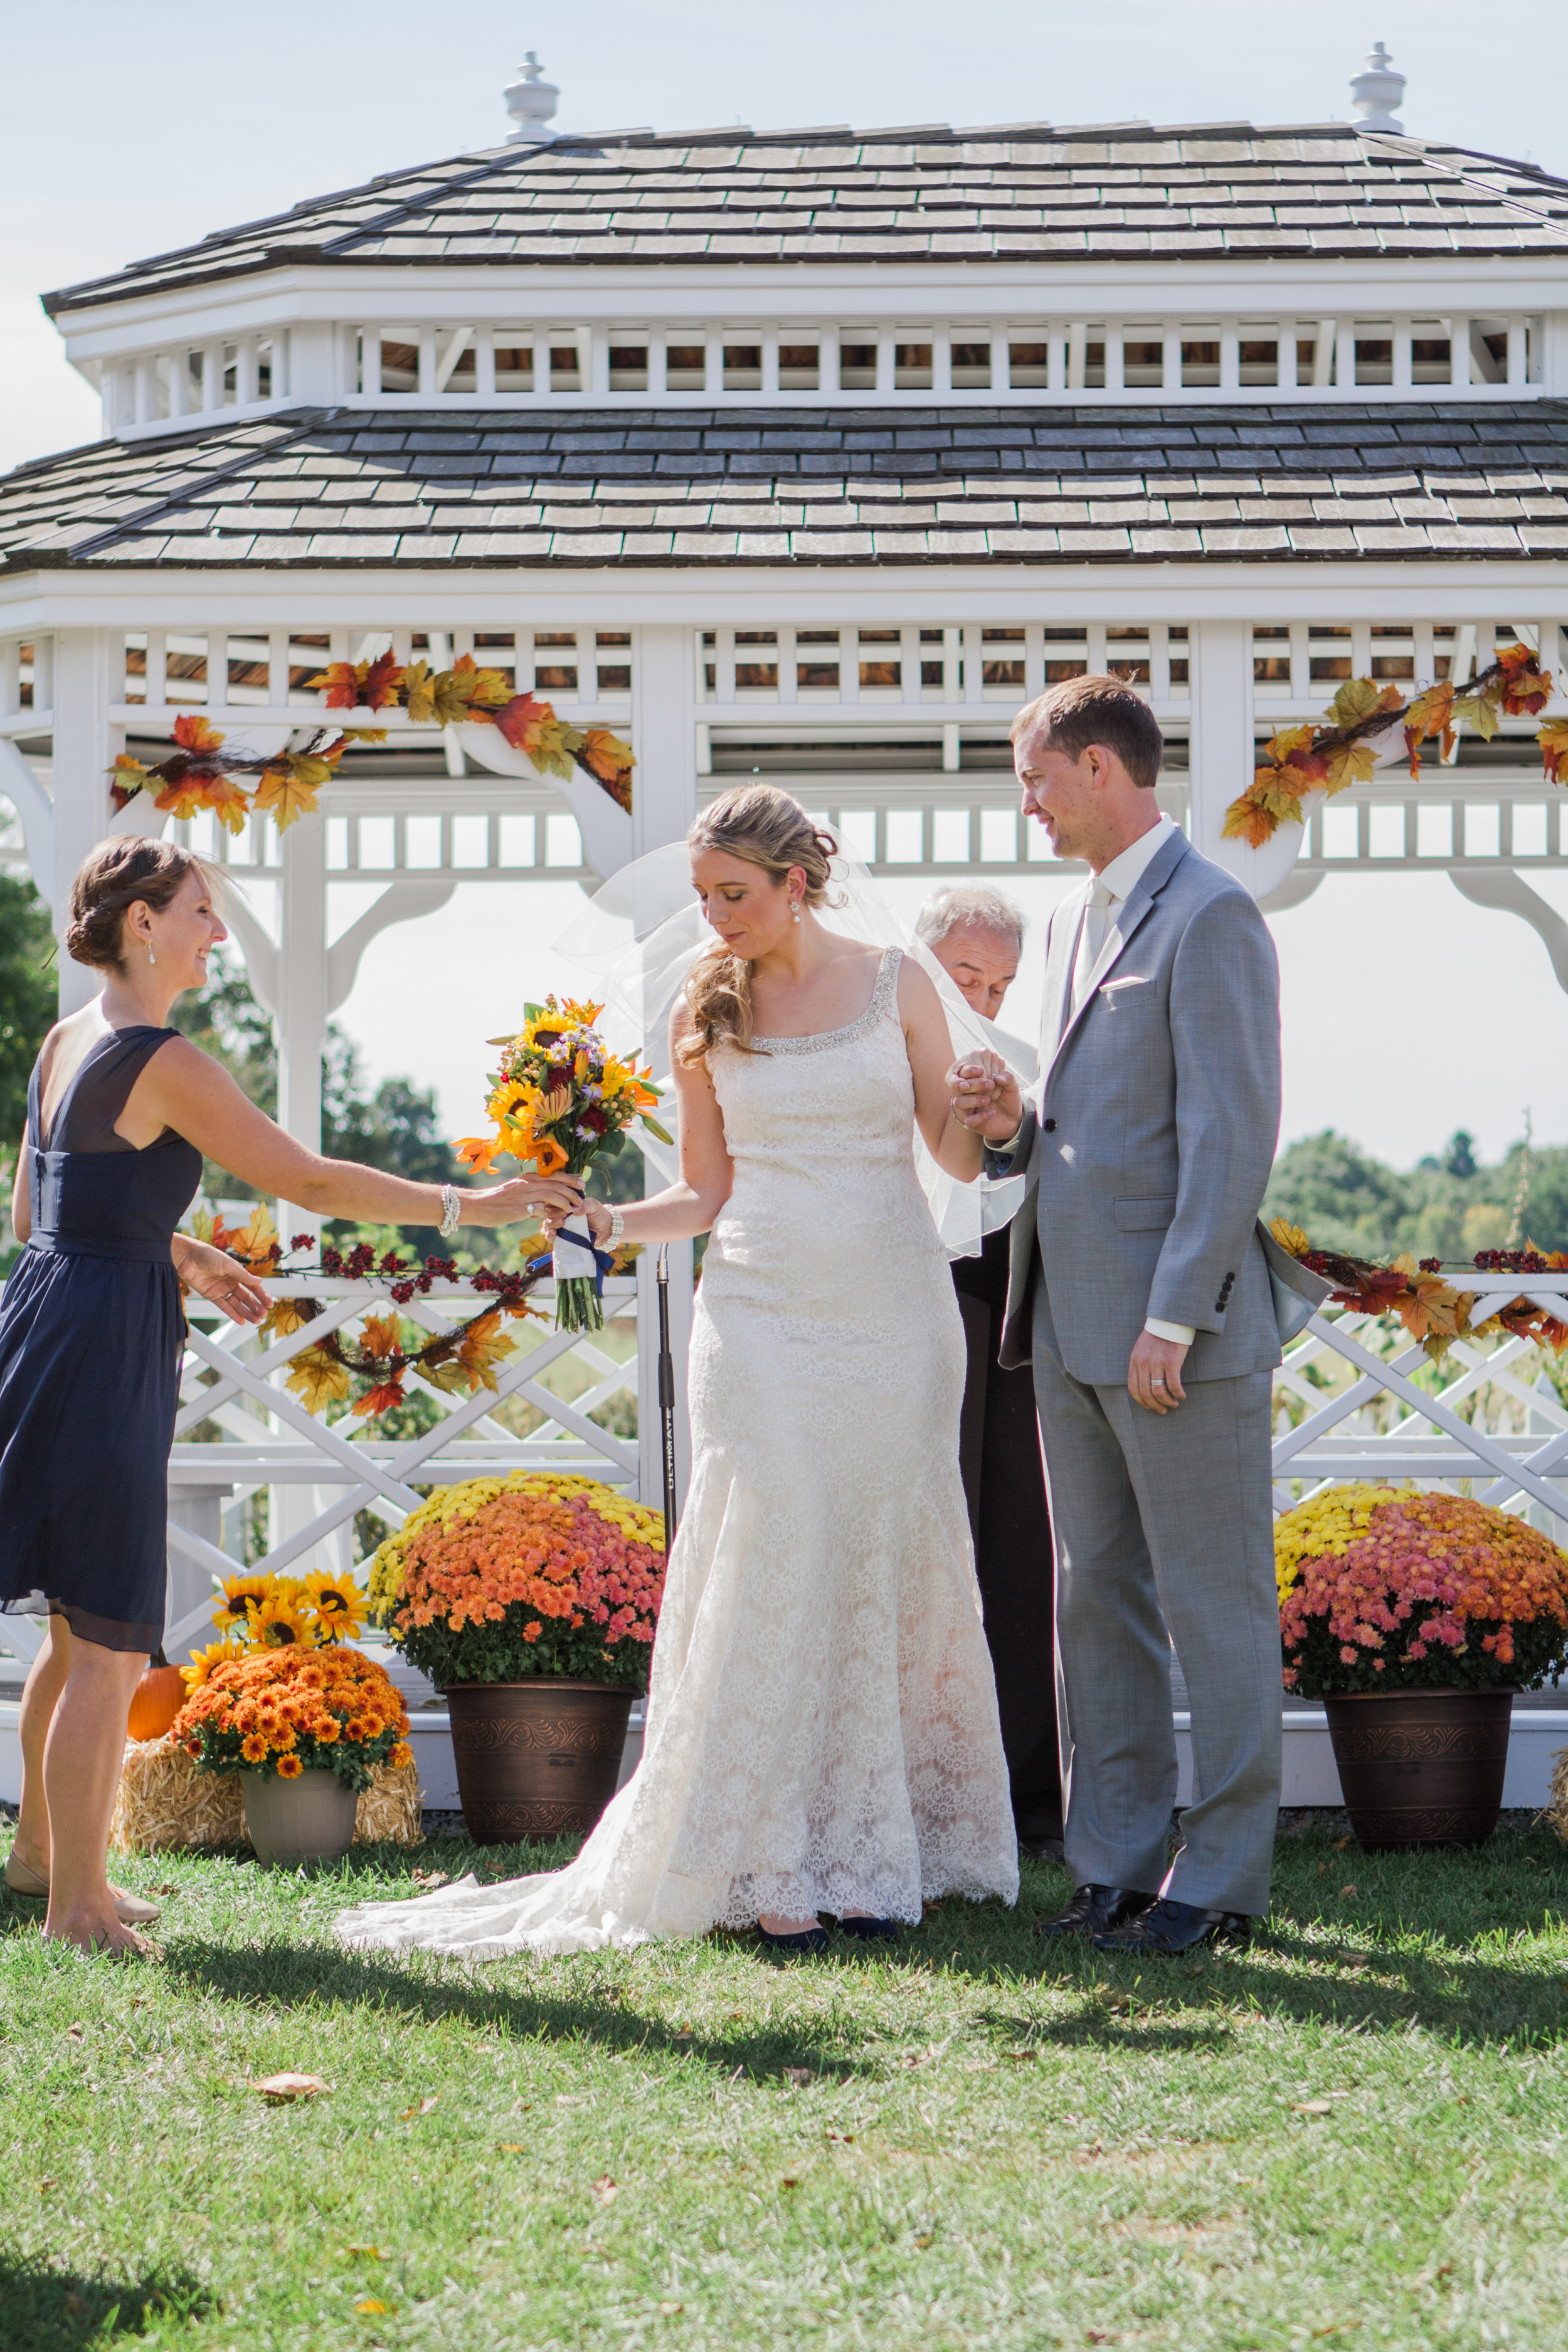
(1065, 924)
(1119, 936)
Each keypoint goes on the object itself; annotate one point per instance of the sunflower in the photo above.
(289, 1767)
(279, 1624)
(338, 1604)
(216, 1654)
(240, 1595)
(253, 1747)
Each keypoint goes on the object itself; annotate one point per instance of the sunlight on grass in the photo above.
(1354, 2130)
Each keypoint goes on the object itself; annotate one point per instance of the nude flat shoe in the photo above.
(23, 1879)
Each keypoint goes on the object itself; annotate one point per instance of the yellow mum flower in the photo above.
(289, 1767)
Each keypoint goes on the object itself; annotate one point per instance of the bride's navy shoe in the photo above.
(808, 1939)
(870, 1930)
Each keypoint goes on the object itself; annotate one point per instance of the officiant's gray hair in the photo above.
(970, 902)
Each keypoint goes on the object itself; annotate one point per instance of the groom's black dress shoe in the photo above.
(1095, 1911)
(1168, 1928)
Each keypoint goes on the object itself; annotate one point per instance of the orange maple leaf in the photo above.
(342, 682)
(192, 732)
(379, 681)
(604, 753)
(1431, 713)
(381, 1398)
(483, 1346)
(1249, 819)
(1553, 741)
(519, 718)
(379, 1337)
(1526, 686)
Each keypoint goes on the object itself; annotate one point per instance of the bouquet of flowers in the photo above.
(560, 1100)
(284, 1712)
(1386, 1586)
(499, 1579)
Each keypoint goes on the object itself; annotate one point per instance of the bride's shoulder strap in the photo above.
(885, 993)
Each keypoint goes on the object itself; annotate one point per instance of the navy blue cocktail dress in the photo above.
(91, 1330)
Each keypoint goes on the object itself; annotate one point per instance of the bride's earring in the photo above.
(151, 957)
(794, 909)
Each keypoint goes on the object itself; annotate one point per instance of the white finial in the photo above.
(1377, 92)
(530, 102)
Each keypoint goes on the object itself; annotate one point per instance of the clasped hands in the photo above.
(985, 1097)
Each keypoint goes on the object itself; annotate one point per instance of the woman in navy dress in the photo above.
(121, 1110)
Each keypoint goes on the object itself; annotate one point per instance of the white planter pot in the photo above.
(307, 1819)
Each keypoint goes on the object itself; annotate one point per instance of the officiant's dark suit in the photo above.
(975, 935)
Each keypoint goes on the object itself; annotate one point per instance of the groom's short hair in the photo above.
(1097, 710)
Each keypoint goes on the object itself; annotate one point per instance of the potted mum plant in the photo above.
(1415, 1617)
(531, 1602)
(305, 1728)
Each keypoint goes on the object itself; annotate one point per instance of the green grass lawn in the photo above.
(1355, 2132)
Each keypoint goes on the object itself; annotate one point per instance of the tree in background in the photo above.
(1448, 1206)
(27, 1000)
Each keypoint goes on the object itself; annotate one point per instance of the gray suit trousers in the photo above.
(1165, 1534)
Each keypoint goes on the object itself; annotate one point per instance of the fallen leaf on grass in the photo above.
(1313, 2107)
(74, 2032)
(280, 2088)
(1340, 1844)
(671, 2310)
(605, 2189)
(1099, 2336)
(1118, 2000)
(43, 2186)
(845, 2139)
(795, 2075)
(430, 1878)
(367, 2253)
(370, 2305)
(790, 2180)
(1346, 1890)
(422, 2109)
(923, 2241)
(512, 2147)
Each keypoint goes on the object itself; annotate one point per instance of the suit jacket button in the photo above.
(1049, 1125)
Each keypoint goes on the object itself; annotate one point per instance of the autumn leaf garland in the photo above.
(199, 774)
(1431, 1308)
(1344, 747)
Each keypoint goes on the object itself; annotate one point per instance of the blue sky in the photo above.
(131, 131)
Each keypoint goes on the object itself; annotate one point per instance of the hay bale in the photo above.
(389, 1809)
(1555, 1813)
(164, 1803)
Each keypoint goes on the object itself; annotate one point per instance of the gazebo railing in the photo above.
(240, 1430)
(1473, 1422)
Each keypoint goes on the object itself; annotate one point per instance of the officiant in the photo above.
(977, 936)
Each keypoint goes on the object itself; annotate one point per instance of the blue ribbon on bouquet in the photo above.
(603, 1260)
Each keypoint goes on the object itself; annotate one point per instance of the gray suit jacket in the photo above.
(1150, 1147)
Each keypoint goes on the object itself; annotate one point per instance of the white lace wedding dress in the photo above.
(821, 1729)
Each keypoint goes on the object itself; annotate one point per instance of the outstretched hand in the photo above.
(987, 1096)
(522, 1196)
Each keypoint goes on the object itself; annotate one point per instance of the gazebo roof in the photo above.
(1009, 193)
(784, 488)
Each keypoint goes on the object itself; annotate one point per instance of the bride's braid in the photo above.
(765, 827)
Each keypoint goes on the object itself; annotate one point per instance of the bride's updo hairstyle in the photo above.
(111, 879)
(761, 826)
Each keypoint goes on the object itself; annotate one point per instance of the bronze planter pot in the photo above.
(1422, 1766)
(536, 1760)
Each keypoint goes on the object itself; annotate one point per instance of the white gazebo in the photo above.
(808, 452)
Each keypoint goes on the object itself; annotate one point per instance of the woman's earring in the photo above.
(794, 909)
(151, 957)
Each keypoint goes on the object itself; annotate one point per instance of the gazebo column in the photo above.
(663, 802)
(299, 1001)
(84, 749)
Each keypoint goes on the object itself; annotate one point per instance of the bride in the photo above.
(822, 1730)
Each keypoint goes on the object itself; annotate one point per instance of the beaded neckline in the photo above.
(821, 1041)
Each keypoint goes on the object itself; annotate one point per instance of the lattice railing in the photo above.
(240, 1431)
(1475, 1422)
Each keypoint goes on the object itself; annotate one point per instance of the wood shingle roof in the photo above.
(788, 487)
(1017, 192)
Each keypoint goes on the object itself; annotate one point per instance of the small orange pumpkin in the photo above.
(157, 1699)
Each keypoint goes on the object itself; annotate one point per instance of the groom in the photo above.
(1139, 1286)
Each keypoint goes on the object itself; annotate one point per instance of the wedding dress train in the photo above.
(822, 1728)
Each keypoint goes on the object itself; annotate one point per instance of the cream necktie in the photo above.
(1090, 940)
